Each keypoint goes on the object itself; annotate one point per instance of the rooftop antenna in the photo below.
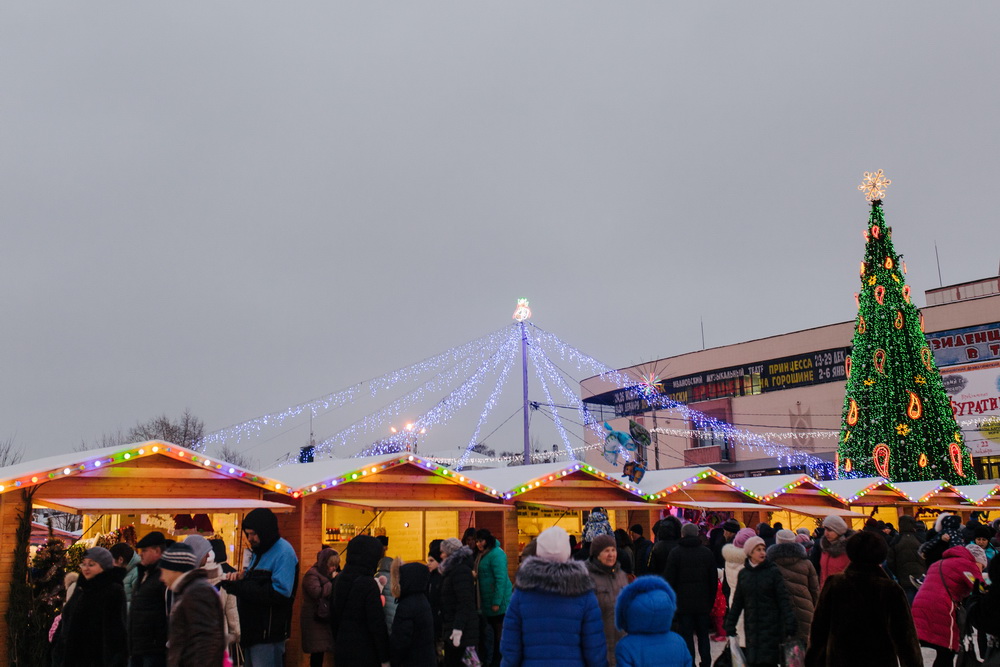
(938, 258)
(703, 332)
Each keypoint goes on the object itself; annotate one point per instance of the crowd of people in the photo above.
(179, 603)
(824, 598)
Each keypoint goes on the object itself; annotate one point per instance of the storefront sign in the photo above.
(961, 346)
(974, 390)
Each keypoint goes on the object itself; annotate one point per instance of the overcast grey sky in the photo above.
(234, 207)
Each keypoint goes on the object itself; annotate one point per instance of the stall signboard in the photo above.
(798, 370)
(962, 346)
(974, 390)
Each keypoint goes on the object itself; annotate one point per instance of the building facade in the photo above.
(789, 389)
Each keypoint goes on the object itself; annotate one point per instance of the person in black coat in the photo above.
(691, 572)
(434, 559)
(762, 598)
(459, 613)
(93, 621)
(147, 616)
(641, 547)
(361, 638)
(412, 640)
(668, 534)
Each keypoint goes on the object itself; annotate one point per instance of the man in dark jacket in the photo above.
(641, 547)
(147, 618)
(359, 630)
(668, 534)
(904, 560)
(197, 635)
(265, 590)
(720, 536)
(691, 572)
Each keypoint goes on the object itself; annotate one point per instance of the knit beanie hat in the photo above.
(179, 558)
(742, 537)
(600, 543)
(835, 523)
(450, 546)
(553, 544)
(804, 531)
(101, 556)
(751, 543)
(867, 548)
(200, 546)
(689, 530)
(978, 553)
(731, 526)
(983, 531)
(784, 537)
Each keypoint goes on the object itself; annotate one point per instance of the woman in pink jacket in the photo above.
(947, 583)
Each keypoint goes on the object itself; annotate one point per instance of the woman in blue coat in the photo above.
(553, 618)
(645, 610)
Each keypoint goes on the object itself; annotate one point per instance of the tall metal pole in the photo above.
(524, 377)
(522, 313)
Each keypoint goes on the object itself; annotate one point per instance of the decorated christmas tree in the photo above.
(897, 421)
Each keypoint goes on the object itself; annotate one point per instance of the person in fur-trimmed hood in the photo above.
(736, 560)
(800, 578)
(948, 534)
(645, 610)
(862, 618)
(553, 618)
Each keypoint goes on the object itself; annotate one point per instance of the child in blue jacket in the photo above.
(645, 610)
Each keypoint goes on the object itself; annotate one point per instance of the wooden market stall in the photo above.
(409, 499)
(876, 497)
(927, 499)
(547, 494)
(143, 484)
(803, 500)
(704, 489)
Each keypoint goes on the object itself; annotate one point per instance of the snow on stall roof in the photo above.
(655, 481)
(917, 490)
(68, 460)
(508, 479)
(770, 484)
(850, 488)
(300, 475)
(977, 492)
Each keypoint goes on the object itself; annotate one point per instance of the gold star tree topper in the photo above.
(874, 185)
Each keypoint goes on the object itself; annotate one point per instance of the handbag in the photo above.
(470, 658)
(725, 659)
(793, 653)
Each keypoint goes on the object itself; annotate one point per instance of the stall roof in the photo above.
(514, 480)
(850, 490)
(924, 491)
(979, 493)
(771, 486)
(170, 505)
(656, 481)
(427, 505)
(38, 471)
(308, 478)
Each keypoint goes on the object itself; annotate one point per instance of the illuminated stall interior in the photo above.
(876, 497)
(929, 498)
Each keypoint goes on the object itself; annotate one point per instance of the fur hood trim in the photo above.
(567, 579)
(786, 551)
(733, 555)
(463, 554)
(939, 521)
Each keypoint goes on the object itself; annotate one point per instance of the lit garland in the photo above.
(140, 450)
(349, 395)
(535, 354)
(377, 421)
(701, 421)
(490, 403)
(897, 419)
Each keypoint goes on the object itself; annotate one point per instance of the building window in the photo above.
(988, 467)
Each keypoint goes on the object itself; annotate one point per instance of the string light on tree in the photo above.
(897, 419)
